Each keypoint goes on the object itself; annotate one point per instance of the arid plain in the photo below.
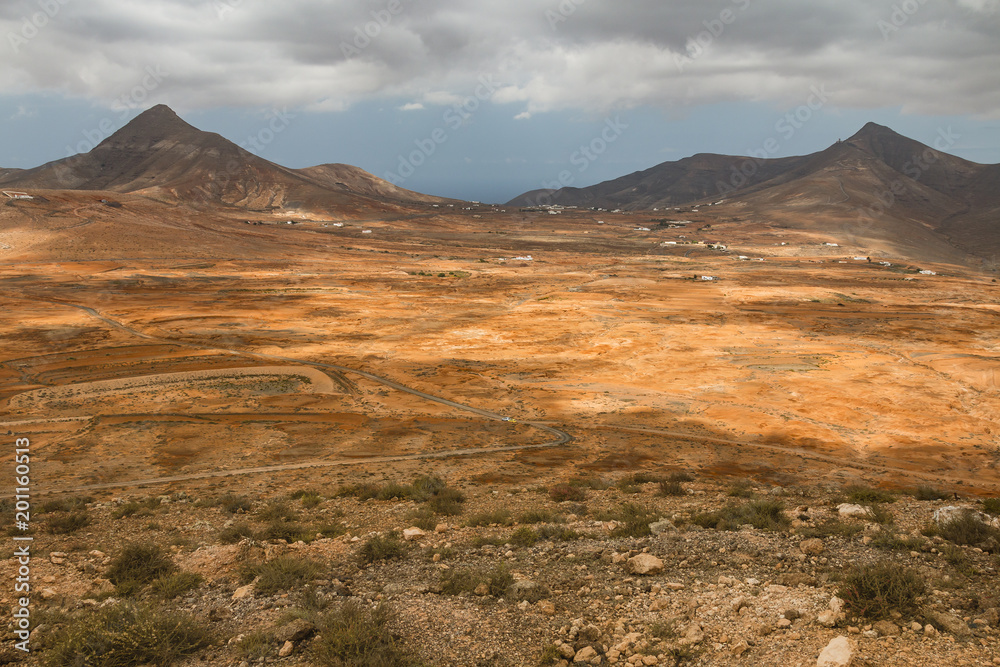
(799, 362)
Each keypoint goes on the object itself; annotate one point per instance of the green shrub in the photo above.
(875, 591)
(284, 573)
(363, 491)
(761, 514)
(427, 486)
(680, 477)
(498, 517)
(329, 529)
(864, 495)
(446, 502)
(137, 565)
(132, 508)
(395, 491)
(235, 533)
(65, 524)
(423, 518)
(991, 506)
(125, 635)
(831, 528)
(645, 477)
(924, 492)
(234, 504)
(170, 586)
(532, 517)
(255, 646)
(634, 521)
(281, 530)
(969, 529)
(356, 636)
(558, 533)
(892, 542)
(523, 537)
(566, 492)
(69, 504)
(276, 510)
(669, 488)
(308, 497)
(382, 547)
(744, 488)
(881, 515)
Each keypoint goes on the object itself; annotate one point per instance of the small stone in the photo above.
(295, 631)
(411, 534)
(441, 528)
(929, 630)
(586, 654)
(792, 614)
(916, 627)
(286, 650)
(851, 510)
(674, 586)
(812, 547)
(436, 558)
(886, 628)
(644, 564)
(567, 651)
(784, 623)
(482, 589)
(949, 623)
(836, 605)
(48, 594)
(243, 592)
(546, 607)
(838, 653)
(661, 527)
(739, 648)
(738, 604)
(827, 619)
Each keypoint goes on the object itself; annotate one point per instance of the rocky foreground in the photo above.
(647, 569)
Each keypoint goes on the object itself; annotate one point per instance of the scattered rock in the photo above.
(661, 527)
(739, 648)
(546, 607)
(644, 564)
(286, 650)
(812, 547)
(295, 631)
(528, 590)
(243, 592)
(828, 619)
(48, 594)
(586, 654)
(859, 511)
(838, 653)
(886, 628)
(949, 623)
(411, 534)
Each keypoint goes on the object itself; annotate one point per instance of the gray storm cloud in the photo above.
(926, 56)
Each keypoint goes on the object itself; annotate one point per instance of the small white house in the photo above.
(707, 278)
(928, 273)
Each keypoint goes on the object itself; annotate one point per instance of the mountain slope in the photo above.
(159, 154)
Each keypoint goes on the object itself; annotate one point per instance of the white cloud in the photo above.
(325, 56)
(411, 106)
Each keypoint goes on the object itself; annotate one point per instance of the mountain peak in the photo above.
(875, 130)
(150, 127)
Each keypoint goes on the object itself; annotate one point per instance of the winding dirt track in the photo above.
(561, 437)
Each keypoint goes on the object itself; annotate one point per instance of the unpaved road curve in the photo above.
(561, 437)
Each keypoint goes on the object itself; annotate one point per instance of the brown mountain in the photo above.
(159, 154)
(877, 186)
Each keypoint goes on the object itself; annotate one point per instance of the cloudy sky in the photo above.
(484, 99)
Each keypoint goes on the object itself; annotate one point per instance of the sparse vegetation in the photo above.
(875, 591)
(500, 517)
(66, 524)
(928, 493)
(743, 488)
(968, 529)
(670, 488)
(356, 636)
(137, 565)
(524, 537)
(68, 504)
(170, 586)
(236, 532)
(991, 506)
(866, 495)
(761, 514)
(125, 635)
(382, 547)
(567, 492)
(284, 573)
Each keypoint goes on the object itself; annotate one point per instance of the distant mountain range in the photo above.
(877, 188)
(876, 184)
(159, 154)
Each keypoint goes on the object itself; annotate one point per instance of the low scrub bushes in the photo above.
(137, 565)
(761, 514)
(875, 591)
(280, 574)
(382, 547)
(125, 635)
(357, 636)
